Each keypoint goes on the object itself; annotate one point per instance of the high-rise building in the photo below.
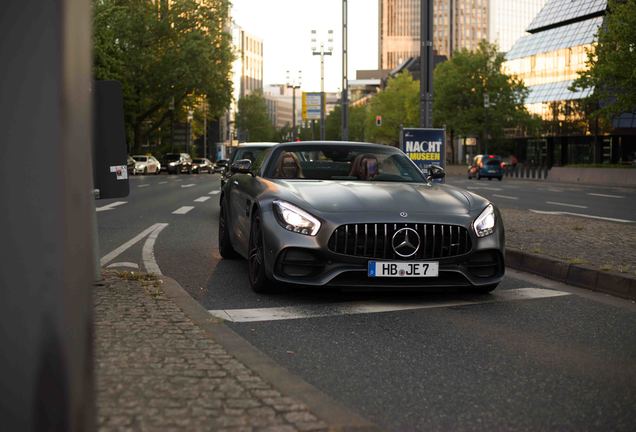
(548, 60)
(457, 24)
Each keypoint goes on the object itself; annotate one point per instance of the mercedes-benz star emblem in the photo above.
(405, 242)
(404, 214)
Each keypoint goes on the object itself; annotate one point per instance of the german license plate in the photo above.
(403, 269)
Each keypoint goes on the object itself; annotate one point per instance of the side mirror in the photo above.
(436, 172)
(241, 166)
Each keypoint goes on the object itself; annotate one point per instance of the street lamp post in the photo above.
(294, 85)
(189, 130)
(345, 79)
(322, 53)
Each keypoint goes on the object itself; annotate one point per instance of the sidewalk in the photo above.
(159, 368)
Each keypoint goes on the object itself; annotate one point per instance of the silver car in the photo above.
(356, 215)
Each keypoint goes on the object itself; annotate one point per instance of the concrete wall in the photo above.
(595, 176)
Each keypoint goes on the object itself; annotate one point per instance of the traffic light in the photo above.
(378, 120)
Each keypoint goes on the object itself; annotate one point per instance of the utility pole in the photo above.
(294, 85)
(322, 53)
(345, 81)
(426, 63)
(205, 127)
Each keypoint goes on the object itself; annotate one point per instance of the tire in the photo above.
(499, 178)
(225, 244)
(478, 177)
(484, 289)
(259, 281)
(145, 171)
(489, 178)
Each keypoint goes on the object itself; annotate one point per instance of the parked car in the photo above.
(146, 165)
(489, 166)
(220, 166)
(253, 151)
(356, 215)
(200, 165)
(177, 163)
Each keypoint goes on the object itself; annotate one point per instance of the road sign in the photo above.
(311, 106)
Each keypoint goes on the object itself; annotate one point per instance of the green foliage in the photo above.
(398, 104)
(163, 52)
(252, 120)
(460, 87)
(612, 62)
(357, 123)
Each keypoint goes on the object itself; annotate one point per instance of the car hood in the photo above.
(331, 196)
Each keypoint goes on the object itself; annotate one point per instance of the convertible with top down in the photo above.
(356, 215)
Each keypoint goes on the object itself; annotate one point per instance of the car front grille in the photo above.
(373, 240)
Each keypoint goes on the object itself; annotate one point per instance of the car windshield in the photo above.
(140, 158)
(251, 153)
(352, 163)
(199, 161)
(172, 157)
(493, 162)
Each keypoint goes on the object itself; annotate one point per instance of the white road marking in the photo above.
(163, 182)
(178, 179)
(148, 253)
(554, 190)
(124, 264)
(353, 308)
(214, 193)
(505, 197)
(143, 185)
(565, 204)
(115, 253)
(110, 206)
(182, 210)
(202, 199)
(188, 185)
(605, 195)
(582, 215)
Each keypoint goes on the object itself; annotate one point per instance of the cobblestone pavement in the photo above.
(157, 370)
(606, 246)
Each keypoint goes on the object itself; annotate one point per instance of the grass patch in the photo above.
(149, 282)
(577, 228)
(575, 261)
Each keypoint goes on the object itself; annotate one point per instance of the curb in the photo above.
(616, 284)
(337, 417)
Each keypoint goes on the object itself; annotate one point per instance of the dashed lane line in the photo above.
(187, 185)
(163, 182)
(202, 199)
(143, 185)
(182, 210)
(354, 308)
(606, 195)
(214, 192)
(582, 215)
(110, 206)
(565, 204)
(496, 189)
(506, 197)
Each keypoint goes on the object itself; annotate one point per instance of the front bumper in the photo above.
(305, 260)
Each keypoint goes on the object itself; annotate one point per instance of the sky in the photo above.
(285, 28)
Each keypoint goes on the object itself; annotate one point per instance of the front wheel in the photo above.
(259, 281)
(225, 245)
(484, 289)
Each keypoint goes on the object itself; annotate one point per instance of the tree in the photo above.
(474, 97)
(166, 55)
(252, 120)
(357, 123)
(612, 61)
(398, 104)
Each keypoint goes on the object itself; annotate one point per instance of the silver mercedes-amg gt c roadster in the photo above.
(356, 215)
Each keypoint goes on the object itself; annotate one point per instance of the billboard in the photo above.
(424, 146)
(311, 106)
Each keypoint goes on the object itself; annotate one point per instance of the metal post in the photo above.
(205, 128)
(322, 92)
(345, 81)
(426, 63)
(293, 113)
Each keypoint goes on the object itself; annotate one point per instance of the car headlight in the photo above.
(172, 164)
(485, 223)
(294, 219)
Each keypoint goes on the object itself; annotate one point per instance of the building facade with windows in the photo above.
(548, 60)
(457, 24)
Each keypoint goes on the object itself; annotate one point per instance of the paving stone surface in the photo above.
(157, 370)
(606, 246)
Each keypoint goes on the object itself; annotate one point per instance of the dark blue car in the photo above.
(488, 166)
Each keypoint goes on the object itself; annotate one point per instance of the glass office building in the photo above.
(548, 60)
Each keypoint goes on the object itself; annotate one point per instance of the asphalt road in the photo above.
(535, 355)
(583, 200)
